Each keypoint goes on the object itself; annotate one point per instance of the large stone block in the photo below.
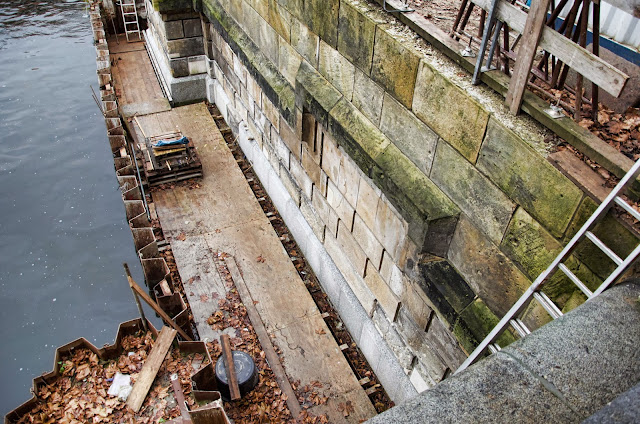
(415, 337)
(386, 298)
(440, 339)
(313, 219)
(368, 242)
(341, 170)
(356, 35)
(445, 288)
(484, 203)
(192, 28)
(415, 196)
(291, 138)
(529, 245)
(179, 67)
(416, 140)
(171, 6)
(357, 135)
(353, 278)
(351, 249)
(295, 7)
(413, 301)
(173, 30)
(449, 111)
(311, 167)
(301, 177)
(315, 94)
(185, 47)
(610, 231)
(392, 274)
(475, 322)
(322, 18)
(491, 275)
(367, 203)
(367, 97)
(326, 213)
(336, 69)
(304, 42)
(528, 178)
(340, 205)
(288, 61)
(390, 229)
(395, 65)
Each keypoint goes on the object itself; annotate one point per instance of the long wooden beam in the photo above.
(166, 318)
(531, 36)
(609, 78)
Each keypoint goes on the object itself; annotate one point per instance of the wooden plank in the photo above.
(156, 308)
(581, 174)
(609, 78)
(527, 51)
(230, 366)
(150, 368)
(179, 395)
(265, 341)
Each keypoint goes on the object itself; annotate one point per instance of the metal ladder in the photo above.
(130, 18)
(534, 291)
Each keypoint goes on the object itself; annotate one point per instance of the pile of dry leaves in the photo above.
(79, 394)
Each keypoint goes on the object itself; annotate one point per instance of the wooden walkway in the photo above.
(137, 87)
(223, 215)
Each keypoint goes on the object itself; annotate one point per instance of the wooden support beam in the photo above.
(265, 341)
(150, 368)
(526, 53)
(134, 286)
(230, 367)
(609, 78)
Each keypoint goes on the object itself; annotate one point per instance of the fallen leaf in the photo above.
(260, 259)
(181, 237)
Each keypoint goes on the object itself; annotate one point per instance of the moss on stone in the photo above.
(475, 323)
(528, 178)
(395, 66)
(322, 18)
(356, 35)
(315, 94)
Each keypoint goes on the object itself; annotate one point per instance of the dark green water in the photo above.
(63, 234)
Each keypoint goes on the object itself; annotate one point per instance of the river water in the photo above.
(63, 233)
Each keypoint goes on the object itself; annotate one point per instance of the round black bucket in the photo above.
(245, 370)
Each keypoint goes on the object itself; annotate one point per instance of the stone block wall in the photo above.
(179, 33)
(436, 207)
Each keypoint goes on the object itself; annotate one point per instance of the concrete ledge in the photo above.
(563, 372)
(383, 362)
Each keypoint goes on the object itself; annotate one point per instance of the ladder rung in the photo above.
(610, 253)
(494, 348)
(516, 326)
(575, 280)
(548, 305)
(627, 207)
(523, 326)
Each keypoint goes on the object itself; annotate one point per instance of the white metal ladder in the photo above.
(130, 18)
(534, 291)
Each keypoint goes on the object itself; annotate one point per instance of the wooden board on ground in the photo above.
(226, 215)
(150, 368)
(580, 173)
(135, 80)
(263, 337)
